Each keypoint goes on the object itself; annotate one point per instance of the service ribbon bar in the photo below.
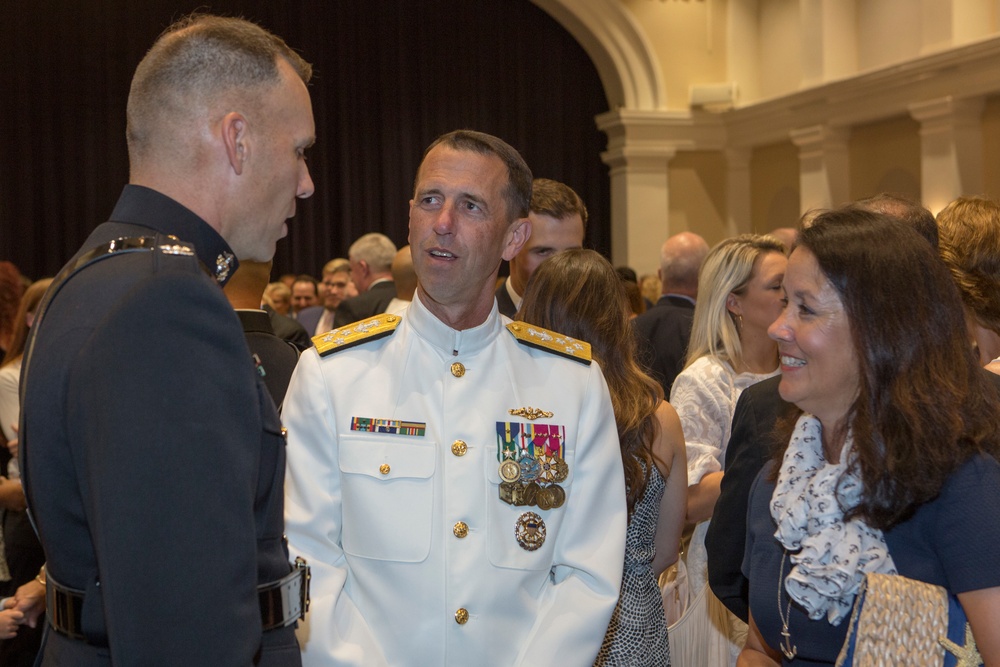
(389, 426)
(507, 436)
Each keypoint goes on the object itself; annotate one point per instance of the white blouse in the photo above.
(705, 395)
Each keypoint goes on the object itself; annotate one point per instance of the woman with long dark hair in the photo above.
(891, 466)
(578, 293)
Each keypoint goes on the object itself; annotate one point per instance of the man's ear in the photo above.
(235, 140)
(517, 236)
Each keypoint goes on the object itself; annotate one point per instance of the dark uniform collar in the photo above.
(140, 205)
(255, 321)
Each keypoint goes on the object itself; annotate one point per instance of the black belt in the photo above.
(282, 602)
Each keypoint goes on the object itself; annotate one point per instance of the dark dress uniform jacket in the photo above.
(153, 457)
(662, 335)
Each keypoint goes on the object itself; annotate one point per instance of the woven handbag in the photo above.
(901, 621)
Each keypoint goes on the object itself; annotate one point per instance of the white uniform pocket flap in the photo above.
(383, 459)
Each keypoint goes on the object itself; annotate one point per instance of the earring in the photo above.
(739, 326)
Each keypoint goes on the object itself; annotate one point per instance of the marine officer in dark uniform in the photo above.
(153, 457)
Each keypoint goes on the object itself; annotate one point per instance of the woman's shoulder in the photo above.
(671, 435)
(980, 474)
(707, 369)
(11, 373)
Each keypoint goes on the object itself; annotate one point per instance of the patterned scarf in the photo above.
(808, 505)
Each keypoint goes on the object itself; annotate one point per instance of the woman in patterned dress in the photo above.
(578, 293)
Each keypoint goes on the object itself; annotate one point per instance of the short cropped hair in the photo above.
(517, 193)
(338, 265)
(306, 278)
(556, 199)
(377, 250)
(197, 59)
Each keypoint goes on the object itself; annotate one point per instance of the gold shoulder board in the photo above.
(360, 332)
(550, 341)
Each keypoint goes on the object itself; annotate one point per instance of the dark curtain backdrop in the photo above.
(391, 75)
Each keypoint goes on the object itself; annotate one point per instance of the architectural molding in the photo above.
(619, 48)
(965, 71)
(951, 155)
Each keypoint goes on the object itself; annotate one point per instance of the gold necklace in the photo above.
(787, 648)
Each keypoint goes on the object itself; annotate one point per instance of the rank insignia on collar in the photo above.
(550, 341)
(372, 328)
(223, 266)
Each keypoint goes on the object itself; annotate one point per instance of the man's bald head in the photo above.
(195, 71)
(680, 259)
(904, 210)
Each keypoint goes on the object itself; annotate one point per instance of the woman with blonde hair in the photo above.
(739, 295)
(578, 293)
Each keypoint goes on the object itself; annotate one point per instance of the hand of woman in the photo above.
(30, 602)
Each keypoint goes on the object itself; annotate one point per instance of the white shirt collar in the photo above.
(452, 342)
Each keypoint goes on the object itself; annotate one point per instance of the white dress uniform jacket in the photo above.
(413, 554)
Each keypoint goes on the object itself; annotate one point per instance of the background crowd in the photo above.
(793, 412)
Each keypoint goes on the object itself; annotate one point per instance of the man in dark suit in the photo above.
(558, 222)
(750, 446)
(336, 284)
(371, 270)
(662, 332)
(152, 456)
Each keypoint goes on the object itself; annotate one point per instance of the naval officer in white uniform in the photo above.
(454, 479)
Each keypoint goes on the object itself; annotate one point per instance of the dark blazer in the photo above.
(662, 334)
(504, 303)
(275, 358)
(152, 454)
(309, 318)
(750, 447)
(374, 301)
(288, 329)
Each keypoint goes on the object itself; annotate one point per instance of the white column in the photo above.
(640, 189)
(823, 166)
(739, 219)
(951, 149)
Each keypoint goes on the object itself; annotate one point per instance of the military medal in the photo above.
(508, 490)
(530, 531)
(557, 495)
(531, 464)
(544, 499)
(510, 471)
(529, 468)
(529, 494)
(552, 469)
